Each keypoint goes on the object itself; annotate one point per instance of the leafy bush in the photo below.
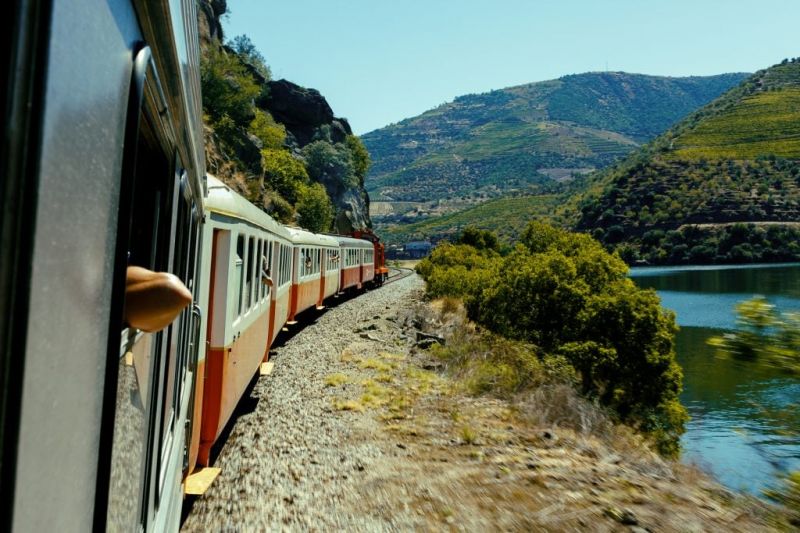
(283, 173)
(457, 270)
(487, 363)
(360, 157)
(479, 238)
(271, 134)
(228, 89)
(314, 208)
(277, 207)
(788, 495)
(330, 164)
(564, 294)
(763, 334)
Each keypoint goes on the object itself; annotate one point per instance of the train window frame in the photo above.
(249, 274)
(270, 268)
(256, 276)
(238, 270)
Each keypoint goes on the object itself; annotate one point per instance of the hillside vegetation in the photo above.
(720, 186)
(510, 138)
(577, 310)
(505, 216)
(274, 142)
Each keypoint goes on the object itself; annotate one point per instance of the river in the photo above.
(745, 418)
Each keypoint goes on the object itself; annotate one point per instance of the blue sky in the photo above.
(380, 61)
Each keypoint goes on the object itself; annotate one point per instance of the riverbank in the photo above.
(360, 428)
(744, 421)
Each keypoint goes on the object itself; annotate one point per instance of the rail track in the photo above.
(399, 273)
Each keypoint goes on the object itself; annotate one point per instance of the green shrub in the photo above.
(480, 239)
(457, 271)
(228, 89)
(314, 208)
(489, 364)
(566, 295)
(764, 335)
(271, 134)
(277, 207)
(788, 495)
(330, 163)
(283, 173)
(360, 158)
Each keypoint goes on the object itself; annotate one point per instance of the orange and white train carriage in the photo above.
(315, 271)
(357, 263)
(247, 263)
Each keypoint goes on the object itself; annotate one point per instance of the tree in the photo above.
(283, 173)
(228, 89)
(563, 293)
(243, 46)
(330, 164)
(314, 208)
(479, 238)
(360, 155)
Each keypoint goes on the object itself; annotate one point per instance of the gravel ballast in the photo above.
(291, 462)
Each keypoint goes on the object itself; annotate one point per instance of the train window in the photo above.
(287, 264)
(248, 293)
(257, 271)
(238, 268)
(269, 266)
(281, 265)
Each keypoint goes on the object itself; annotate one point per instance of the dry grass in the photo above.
(469, 435)
(336, 380)
(347, 405)
(375, 364)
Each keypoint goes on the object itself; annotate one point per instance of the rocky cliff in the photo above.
(305, 117)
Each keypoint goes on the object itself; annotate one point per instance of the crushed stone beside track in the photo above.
(293, 461)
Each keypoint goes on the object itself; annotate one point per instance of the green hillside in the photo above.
(505, 216)
(723, 185)
(508, 139)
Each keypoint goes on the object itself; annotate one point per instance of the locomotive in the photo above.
(102, 169)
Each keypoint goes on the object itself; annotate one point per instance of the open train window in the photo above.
(149, 202)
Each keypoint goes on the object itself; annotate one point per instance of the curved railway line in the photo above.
(398, 273)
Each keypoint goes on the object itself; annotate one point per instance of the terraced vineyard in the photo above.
(505, 216)
(764, 123)
(692, 194)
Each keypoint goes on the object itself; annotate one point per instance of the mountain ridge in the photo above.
(511, 138)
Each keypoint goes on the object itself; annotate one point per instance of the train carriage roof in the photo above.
(223, 200)
(350, 242)
(301, 236)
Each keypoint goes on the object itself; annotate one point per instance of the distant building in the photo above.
(417, 249)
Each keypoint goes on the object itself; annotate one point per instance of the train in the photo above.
(103, 169)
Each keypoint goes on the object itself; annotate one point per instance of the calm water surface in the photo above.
(745, 417)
